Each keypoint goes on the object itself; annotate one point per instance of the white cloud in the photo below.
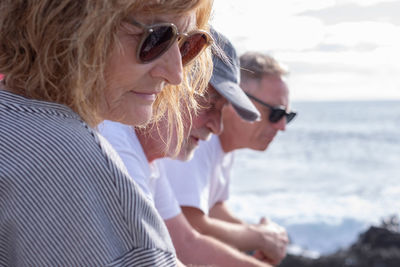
(260, 25)
(354, 33)
(354, 11)
(265, 8)
(344, 75)
(297, 6)
(341, 86)
(363, 2)
(292, 33)
(346, 60)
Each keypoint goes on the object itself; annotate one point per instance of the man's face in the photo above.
(207, 121)
(258, 135)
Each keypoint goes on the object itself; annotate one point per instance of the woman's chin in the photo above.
(135, 117)
(139, 117)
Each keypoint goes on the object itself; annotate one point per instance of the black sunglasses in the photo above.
(158, 38)
(277, 112)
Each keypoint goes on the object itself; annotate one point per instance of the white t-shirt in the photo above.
(204, 180)
(147, 175)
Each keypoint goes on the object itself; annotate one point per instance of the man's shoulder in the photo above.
(206, 159)
(213, 143)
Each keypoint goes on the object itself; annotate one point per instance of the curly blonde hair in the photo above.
(56, 51)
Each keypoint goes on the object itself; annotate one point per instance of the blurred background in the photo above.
(335, 170)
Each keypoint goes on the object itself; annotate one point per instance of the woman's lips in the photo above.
(146, 96)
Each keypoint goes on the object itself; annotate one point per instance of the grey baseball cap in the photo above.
(226, 78)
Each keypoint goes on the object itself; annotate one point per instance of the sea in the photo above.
(333, 173)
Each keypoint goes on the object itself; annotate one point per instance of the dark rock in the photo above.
(377, 237)
(377, 247)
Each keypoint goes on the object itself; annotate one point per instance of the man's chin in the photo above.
(185, 155)
(263, 147)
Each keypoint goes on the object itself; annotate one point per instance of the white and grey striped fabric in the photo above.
(64, 199)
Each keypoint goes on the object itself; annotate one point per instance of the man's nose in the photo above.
(280, 125)
(214, 122)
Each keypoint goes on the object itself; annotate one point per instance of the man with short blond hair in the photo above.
(201, 185)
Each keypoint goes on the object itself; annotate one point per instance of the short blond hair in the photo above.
(254, 65)
(56, 51)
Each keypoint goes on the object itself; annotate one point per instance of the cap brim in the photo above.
(235, 95)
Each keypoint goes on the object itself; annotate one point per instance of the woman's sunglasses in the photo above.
(158, 38)
(277, 112)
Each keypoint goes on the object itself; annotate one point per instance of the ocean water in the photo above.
(330, 175)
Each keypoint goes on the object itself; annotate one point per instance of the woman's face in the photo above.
(132, 87)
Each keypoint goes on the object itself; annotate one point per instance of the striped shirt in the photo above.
(65, 196)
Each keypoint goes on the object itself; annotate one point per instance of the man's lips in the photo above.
(204, 137)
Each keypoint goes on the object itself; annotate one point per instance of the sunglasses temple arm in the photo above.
(259, 101)
(137, 24)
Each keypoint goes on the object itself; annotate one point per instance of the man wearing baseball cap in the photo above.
(140, 148)
(201, 185)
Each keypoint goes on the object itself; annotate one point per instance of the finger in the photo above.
(258, 255)
(270, 261)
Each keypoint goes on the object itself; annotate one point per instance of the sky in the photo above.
(333, 49)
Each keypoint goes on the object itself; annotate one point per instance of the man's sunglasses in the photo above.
(277, 112)
(158, 38)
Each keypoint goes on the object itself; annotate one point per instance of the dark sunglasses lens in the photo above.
(276, 114)
(156, 43)
(290, 116)
(192, 46)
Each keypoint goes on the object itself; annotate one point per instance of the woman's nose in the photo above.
(169, 66)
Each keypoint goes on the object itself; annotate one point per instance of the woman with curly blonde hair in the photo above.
(65, 197)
